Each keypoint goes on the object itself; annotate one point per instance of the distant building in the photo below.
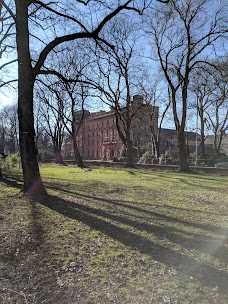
(98, 136)
(209, 143)
(168, 140)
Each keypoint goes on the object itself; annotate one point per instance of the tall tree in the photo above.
(202, 87)
(183, 32)
(155, 96)
(9, 130)
(50, 117)
(118, 73)
(70, 90)
(218, 112)
(47, 17)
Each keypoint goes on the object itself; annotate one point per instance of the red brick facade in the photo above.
(98, 136)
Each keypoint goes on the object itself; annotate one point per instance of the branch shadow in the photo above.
(98, 220)
(125, 204)
(12, 182)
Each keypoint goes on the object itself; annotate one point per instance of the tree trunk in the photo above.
(58, 156)
(77, 154)
(33, 185)
(155, 145)
(202, 135)
(158, 146)
(219, 142)
(129, 154)
(182, 152)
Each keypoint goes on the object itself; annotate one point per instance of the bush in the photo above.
(172, 157)
(222, 158)
(13, 160)
(148, 158)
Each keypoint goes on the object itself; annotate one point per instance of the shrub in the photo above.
(13, 160)
(172, 157)
(148, 158)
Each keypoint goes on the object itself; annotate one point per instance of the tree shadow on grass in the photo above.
(12, 181)
(101, 221)
(190, 240)
(128, 205)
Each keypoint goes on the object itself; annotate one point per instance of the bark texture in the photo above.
(77, 154)
(183, 155)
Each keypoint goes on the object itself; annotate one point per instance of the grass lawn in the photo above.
(114, 236)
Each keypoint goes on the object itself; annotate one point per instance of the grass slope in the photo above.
(114, 236)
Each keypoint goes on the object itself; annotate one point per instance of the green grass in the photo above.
(115, 236)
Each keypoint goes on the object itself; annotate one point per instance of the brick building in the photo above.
(98, 136)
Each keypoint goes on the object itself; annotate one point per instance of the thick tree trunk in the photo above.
(77, 154)
(183, 155)
(33, 185)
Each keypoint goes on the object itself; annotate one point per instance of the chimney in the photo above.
(137, 100)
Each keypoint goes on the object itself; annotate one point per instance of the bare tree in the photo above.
(209, 84)
(117, 75)
(9, 130)
(72, 98)
(202, 87)
(218, 113)
(156, 99)
(70, 91)
(182, 32)
(50, 118)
